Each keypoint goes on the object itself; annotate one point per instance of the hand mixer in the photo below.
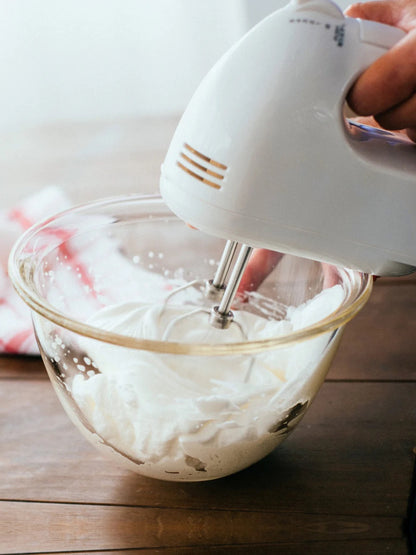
(264, 155)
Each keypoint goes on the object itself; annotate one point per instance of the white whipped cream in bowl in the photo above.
(151, 383)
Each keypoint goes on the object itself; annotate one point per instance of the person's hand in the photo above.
(262, 262)
(387, 89)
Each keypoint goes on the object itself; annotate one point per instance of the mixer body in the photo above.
(264, 155)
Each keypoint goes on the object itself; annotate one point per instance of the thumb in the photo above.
(388, 82)
(399, 13)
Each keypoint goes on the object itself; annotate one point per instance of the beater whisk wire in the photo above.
(178, 319)
(221, 316)
(215, 287)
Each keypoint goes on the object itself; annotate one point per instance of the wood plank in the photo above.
(22, 367)
(367, 547)
(351, 454)
(397, 281)
(379, 344)
(57, 527)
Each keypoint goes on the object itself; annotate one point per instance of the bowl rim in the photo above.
(18, 276)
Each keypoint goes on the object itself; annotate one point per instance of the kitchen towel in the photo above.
(83, 281)
(16, 330)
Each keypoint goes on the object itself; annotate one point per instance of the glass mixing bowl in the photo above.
(200, 403)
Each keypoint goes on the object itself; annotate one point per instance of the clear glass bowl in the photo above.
(198, 405)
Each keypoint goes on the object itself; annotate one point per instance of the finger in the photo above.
(411, 133)
(331, 275)
(370, 121)
(262, 262)
(383, 12)
(389, 81)
(399, 117)
(399, 13)
(365, 120)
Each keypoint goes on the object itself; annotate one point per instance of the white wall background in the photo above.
(86, 60)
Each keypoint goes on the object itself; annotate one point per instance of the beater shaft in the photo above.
(221, 316)
(225, 263)
(216, 286)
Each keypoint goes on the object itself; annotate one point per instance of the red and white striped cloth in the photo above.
(16, 331)
(83, 282)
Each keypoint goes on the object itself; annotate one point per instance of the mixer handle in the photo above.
(374, 40)
(356, 44)
(379, 34)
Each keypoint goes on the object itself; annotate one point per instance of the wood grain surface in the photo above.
(340, 484)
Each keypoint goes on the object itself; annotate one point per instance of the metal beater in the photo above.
(216, 289)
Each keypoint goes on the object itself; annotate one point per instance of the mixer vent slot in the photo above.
(201, 167)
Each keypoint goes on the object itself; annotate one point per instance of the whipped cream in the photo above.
(187, 417)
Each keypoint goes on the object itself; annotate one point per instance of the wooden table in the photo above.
(340, 484)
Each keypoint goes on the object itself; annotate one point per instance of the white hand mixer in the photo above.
(264, 155)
